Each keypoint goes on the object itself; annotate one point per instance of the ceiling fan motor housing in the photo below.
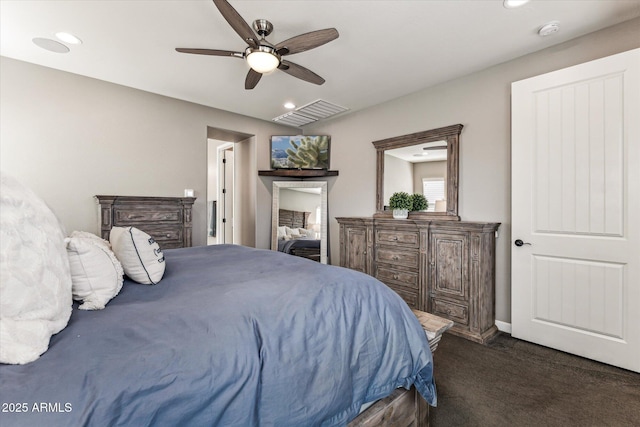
(262, 27)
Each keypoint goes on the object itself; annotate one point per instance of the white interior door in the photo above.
(226, 187)
(576, 210)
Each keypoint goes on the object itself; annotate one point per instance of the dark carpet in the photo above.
(510, 382)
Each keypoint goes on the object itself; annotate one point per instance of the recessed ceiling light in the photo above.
(512, 4)
(50, 45)
(68, 38)
(289, 105)
(549, 28)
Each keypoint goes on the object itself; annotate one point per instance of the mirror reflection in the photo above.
(425, 163)
(299, 219)
(421, 169)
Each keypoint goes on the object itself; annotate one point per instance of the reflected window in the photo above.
(433, 190)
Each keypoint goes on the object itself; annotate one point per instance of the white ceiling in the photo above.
(386, 49)
(418, 154)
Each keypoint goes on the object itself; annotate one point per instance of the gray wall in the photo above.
(428, 170)
(301, 201)
(398, 177)
(70, 137)
(481, 102)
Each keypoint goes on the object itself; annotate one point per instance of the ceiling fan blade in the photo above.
(214, 52)
(306, 41)
(236, 21)
(253, 77)
(437, 147)
(300, 72)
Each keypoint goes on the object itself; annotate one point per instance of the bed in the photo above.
(220, 337)
(295, 235)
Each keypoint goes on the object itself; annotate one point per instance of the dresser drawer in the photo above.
(154, 214)
(168, 237)
(402, 238)
(451, 310)
(410, 297)
(405, 278)
(396, 256)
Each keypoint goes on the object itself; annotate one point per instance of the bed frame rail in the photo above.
(404, 408)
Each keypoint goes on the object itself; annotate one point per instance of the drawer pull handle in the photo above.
(395, 257)
(168, 235)
(395, 237)
(395, 277)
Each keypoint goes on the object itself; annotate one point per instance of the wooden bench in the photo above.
(433, 326)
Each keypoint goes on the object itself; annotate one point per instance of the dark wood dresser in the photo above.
(446, 268)
(166, 219)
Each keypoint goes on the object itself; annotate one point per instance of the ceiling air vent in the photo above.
(292, 118)
(310, 113)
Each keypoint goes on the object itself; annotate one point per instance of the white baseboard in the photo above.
(503, 326)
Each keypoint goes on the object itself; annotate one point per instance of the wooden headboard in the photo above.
(293, 219)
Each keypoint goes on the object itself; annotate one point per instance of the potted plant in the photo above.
(400, 202)
(419, 202)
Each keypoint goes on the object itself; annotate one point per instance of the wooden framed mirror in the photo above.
(400, 175)
(300, 205)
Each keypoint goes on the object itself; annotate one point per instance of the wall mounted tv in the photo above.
(300, 151)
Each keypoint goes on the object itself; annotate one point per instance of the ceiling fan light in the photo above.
(512, 4)
(68, 38)
(262, 62)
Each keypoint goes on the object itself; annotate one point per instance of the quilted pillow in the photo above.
(96, 273)
(93, 237)
(35, 282)
(140, 255)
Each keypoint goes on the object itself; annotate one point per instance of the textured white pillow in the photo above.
(96, 273)
(306, 233)
(293, 232)
(35, 283)
(139, 253)
(93, 237)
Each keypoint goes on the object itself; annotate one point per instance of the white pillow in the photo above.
(93, 237)
(306, 233)
(140, 255)
(96, 273)
(282, 232)
(293, 232)
(35, 283)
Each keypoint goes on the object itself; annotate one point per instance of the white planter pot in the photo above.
(400, 213)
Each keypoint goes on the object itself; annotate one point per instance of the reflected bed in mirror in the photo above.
(299, 219)
(425, 163)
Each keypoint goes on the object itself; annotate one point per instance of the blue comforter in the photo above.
(287, 246)
(231, 336)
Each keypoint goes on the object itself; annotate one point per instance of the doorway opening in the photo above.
(227, 189)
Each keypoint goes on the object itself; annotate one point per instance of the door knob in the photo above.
(519, 243)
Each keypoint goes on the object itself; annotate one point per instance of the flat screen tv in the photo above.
(300, 151)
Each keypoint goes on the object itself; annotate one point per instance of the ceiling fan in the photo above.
(262, 56)
(437, 145)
